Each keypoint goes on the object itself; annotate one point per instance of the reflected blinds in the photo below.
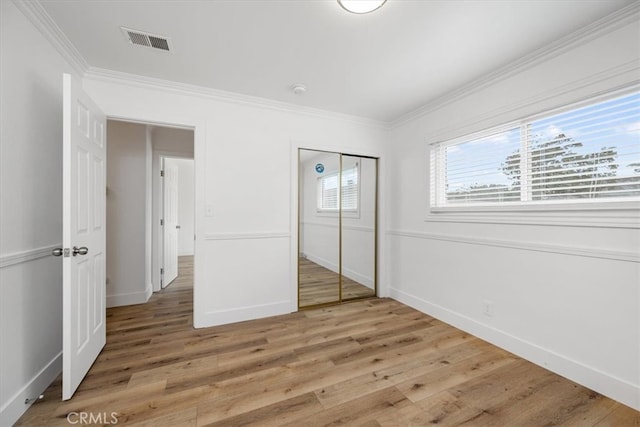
(329, 198)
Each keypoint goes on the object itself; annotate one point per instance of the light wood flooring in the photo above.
(318, 285)
(185, 273)
(369, 363)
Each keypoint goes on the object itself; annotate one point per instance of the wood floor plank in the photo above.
(179, 369)
(267, 387)
(184, 418)
(359, 411)
(444, 408)
(375, 362)
(451, 375)
(299, 407)
(567, 399)
(397, 374)
(620, 416)
(161, 406)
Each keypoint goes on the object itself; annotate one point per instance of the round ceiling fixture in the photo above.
(361, 6)
(299, 89)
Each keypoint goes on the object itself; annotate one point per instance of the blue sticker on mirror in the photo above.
(319, 168)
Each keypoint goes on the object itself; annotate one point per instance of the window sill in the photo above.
(604, 215)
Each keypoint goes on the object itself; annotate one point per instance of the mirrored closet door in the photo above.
(337, 214)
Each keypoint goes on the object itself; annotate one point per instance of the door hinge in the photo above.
(161, 173)
(162, 222)
(161, 271)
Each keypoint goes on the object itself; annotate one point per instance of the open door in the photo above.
(170, 221)
(84, 194)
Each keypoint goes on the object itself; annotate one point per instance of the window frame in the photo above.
(500, 211)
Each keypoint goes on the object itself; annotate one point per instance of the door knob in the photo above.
(57, 252)
(83, 250)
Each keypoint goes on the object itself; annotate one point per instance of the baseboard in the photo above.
(351, 274)
(130, 299)
(603, 383)
(240, 314)
(357, 277)
(15, 406)
(322, 262)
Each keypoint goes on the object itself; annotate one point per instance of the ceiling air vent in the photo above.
(140, 38)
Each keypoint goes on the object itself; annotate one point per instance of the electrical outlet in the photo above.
(487, 308)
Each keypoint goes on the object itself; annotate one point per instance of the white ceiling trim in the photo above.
(603, 26)
(136, 80)
(39, 17)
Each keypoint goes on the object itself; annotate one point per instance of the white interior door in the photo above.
(84, 194)
(171, 226)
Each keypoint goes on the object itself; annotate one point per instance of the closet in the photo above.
(337, 238)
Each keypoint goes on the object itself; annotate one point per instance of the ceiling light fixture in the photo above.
(361, 6)
(299, 89)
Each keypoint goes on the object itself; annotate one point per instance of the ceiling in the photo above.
(380, 66)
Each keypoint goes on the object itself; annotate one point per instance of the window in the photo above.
(329, 198)
(586, 154)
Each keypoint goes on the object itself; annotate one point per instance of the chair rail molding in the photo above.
(248, 236)
(626, 256)
(26, 256)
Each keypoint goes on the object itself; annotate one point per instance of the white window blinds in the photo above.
(329, 198)
(586, 153)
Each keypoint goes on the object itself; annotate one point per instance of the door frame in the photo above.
(199, 142)
(158, 249)
(380, 238)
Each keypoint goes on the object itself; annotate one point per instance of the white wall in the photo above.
(30, 212)
(320, 240)
(186, 201)
(128, 280)
(246, 175)
(563, 288)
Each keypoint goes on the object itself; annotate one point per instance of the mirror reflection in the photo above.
(358, 249)
(319, 229)
(337, 214)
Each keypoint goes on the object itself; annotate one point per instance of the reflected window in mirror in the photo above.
(330, 199)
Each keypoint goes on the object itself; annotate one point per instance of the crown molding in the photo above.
(35, 12)
(39, 17)
(580, 37)
(624, 75)
(138, 81)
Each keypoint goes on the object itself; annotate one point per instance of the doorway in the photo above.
(134, 206)
(177, 223)
(337, 229)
